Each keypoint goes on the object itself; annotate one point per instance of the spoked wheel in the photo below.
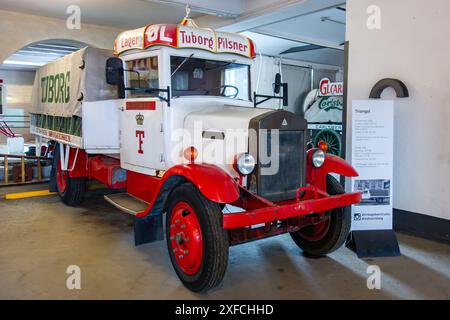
(331, 138)
(70, 190)
(329, 234)
(196, 241)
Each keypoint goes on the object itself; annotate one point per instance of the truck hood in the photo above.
(223, 118)
(221, 133)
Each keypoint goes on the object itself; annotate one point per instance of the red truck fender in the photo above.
(213, 182)
(333, 164)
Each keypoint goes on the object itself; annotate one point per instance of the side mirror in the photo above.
(277, 84)
(114, 75)
(277, 88)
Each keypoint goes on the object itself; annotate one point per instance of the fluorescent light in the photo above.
(24, 63)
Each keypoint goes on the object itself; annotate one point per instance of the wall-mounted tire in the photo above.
(333, 140)
(196, 240)
(330, 235)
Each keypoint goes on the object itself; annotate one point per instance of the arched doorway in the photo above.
(17, 74)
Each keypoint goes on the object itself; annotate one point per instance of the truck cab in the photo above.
(209, 94)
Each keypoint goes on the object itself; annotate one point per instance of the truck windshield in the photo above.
(193, 76)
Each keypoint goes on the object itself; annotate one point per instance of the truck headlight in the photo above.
(318, 158)
(245, 163)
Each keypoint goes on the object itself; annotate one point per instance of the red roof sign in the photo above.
(179, 36)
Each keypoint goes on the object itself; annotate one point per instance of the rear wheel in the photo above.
(197, 243)
(330, 234)
(70, 190)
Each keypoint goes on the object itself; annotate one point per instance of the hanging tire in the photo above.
(70, 190)
(196, 241)
(330, 234)
(331, 138)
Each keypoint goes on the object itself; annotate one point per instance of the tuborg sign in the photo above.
(180, 36)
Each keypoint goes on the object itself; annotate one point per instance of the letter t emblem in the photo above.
(140, 135)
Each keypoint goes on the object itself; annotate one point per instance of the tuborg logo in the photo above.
(139, 119)
(55, 88)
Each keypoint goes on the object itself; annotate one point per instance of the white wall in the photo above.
(413, 45)
(16, 94)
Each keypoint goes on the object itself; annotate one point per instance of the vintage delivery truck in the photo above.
(170, 121)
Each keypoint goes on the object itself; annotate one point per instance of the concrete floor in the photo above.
(40, 238)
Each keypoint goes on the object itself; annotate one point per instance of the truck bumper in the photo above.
(289, 210)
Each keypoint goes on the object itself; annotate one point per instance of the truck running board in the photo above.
(127, 203)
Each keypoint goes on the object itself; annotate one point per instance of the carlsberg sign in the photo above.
(55, 88)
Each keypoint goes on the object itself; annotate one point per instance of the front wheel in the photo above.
(197, 243)
(330, 234)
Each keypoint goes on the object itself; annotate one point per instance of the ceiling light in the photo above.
(24, 63)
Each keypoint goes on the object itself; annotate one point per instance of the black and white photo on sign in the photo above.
(374, 191)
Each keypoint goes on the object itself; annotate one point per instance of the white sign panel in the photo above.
(372, 157)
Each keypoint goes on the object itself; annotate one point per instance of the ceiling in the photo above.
(122, 14)
(327, 25)
(320, 23)
(39, 54)
(316, 38)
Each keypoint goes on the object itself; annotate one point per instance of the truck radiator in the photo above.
(279, 172)
(281, 184)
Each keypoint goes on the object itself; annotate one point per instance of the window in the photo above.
(192, 76)
(143, 74)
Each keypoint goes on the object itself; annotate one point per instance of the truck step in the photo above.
(127, 203)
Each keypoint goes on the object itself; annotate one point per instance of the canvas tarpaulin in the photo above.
(60, 87)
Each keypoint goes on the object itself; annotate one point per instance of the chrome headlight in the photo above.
(318, 158)
(245, 163)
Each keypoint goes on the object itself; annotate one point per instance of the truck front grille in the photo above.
(283, 184)
(289, 129)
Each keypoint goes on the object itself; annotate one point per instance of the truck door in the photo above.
(141, 136)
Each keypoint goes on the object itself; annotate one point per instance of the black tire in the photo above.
(215, 239)
(73, 194)
(338, 230)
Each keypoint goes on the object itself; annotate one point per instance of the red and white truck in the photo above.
(170, 119)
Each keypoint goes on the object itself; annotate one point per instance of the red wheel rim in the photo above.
(61, 177)
(315, 232)
(186, 239)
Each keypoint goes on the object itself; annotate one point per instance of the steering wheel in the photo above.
(224, 88)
